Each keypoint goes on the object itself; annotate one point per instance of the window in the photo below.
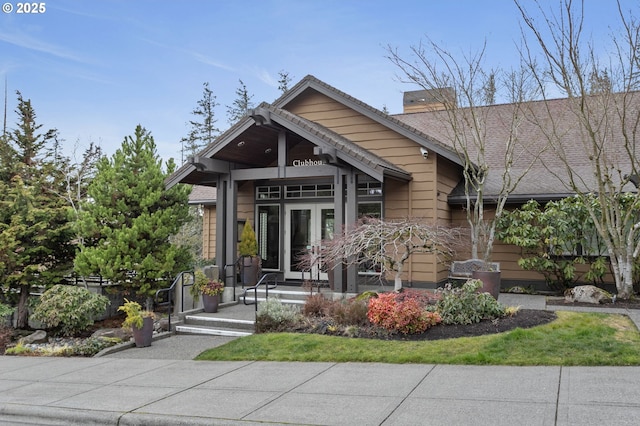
(309, 191)
(269, 236)
(370, 209)
(370, 189)
(268, 193)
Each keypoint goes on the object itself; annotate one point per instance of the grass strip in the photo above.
(574, 339)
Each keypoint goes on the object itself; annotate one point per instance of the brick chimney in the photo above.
(428, 100)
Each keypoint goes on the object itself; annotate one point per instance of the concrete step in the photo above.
(294, 297)
(215, 326)
(233, 320)
(188, 329)
(213, 322)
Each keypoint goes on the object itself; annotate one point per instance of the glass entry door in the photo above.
(306, 225)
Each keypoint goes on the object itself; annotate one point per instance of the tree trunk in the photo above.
(624, 283)
(22, 319)
(397, 281)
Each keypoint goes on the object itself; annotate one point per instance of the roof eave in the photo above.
(368, 111)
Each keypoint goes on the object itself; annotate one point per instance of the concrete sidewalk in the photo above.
(160, 385)
(112, 391)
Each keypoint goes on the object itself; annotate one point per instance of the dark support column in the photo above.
(351, 218)
(221, 258)
(282, 154)
(231, 225)
(339, 220)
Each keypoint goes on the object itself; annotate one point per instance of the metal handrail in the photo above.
(170, 290)
(233, 275)
(265, 279)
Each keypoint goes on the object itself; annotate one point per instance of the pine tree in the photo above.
(127, 224)
(202, 129)
(283, 81)
(241, 105)
(35, 234)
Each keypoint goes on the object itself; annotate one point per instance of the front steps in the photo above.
(237, 319)
(212, 326)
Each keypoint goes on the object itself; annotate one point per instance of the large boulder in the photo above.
(587, 294)
(38, 336)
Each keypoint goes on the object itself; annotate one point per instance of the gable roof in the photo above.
(349, 152)
(346, 151)
(405, 129)
(548, 174)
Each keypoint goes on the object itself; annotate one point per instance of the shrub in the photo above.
(422, 297)
(465, 306)
(273, 315)
(69, 309)
(5, 310)
(406, 316)
(316, 305)
(351, 312)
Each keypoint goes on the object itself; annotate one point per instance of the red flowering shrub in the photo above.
(406, 316)
(425, 298)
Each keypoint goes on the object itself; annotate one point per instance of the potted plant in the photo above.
(210, 289)
(489, 275)
(249, 260)
(139, 321)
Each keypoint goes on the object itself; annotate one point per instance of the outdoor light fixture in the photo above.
(424, 152)
(267, 151)
(241, 144)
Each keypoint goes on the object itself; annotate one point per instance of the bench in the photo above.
(463, 269)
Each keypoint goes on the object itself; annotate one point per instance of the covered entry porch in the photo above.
(298, 183)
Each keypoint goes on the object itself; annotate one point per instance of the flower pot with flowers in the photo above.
(210, 289)
(250, 263)
(139, 321)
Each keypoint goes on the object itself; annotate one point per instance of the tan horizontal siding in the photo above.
(209, 232)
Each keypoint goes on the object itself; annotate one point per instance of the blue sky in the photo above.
(95, 69)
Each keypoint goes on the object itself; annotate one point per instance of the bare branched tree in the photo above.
(389, 244)
(596, 139)
(465, 87)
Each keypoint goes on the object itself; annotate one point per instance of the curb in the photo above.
(130, 344)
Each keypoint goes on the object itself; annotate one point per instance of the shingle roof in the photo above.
(203, 195)
(548, 176)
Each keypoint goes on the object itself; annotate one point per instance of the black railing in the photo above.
(270, 281)
(170, 290)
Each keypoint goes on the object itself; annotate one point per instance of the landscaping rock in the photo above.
(118, 333)
(161, 325)
(38, 336)
(587, 294)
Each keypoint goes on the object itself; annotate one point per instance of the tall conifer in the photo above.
(127, 223)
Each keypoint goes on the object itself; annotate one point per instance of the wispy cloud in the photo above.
(27, 42)
(264, 76)
(195, 55)
(209, 61)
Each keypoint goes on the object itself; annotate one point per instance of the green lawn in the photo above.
(573, 339)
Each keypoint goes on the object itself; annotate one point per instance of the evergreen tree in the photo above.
(202, 129)
(284, 79)
(127, 224)
(241, 105)
(35, 234)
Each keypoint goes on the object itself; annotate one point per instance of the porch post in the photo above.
(339, 220)
(231, 222)
(351, 219)
(221, 202)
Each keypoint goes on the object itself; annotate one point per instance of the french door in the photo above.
(306, 225)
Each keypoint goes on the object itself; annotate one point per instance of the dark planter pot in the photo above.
(143, 336)
(210, 303)
(250, 269)
(490, 282)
